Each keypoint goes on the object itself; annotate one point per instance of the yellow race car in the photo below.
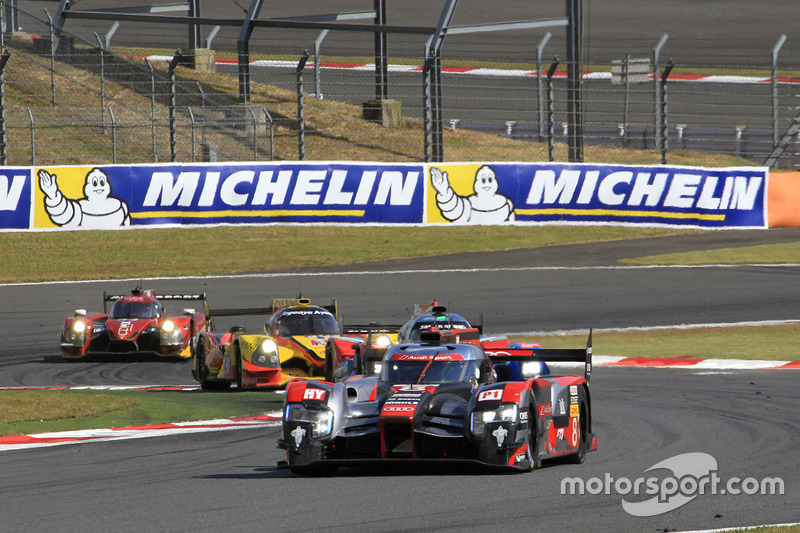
(292, 346)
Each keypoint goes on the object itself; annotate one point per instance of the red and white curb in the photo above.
(492, 72)
(42, 440)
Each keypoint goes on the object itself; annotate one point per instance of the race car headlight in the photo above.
(267, 354)
(321, 420)
(532, 369)
(76, 334)
(382, 342)
(170, 333)
(376, 367)
(504, 413)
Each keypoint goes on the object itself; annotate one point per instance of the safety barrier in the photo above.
(113, 196)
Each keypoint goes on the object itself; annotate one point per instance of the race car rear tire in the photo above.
(583, 444)
(203, 373)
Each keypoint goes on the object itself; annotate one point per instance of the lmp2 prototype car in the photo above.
(292, 345)
(441, 403)
(137, 324)
(360, 349)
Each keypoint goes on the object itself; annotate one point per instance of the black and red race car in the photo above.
(136, 324)
(441, 401)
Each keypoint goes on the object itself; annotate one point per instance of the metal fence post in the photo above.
(194, 136)
(102, 83)
(550, 132)
(540, 83)
(575, 80)
(664, 135)
(3, 133)
(657, 88)
(113, 135)
(268, 120)
(426, 107)
(203, 113)
(153, 107)
(255, 134)
(301, 121)
(775, 50)
(52, 57)
(33, 137)
(173, 156)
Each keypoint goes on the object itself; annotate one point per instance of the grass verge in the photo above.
(141, 253)
(27, 412)
(770, 343)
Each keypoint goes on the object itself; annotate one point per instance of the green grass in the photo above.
(764, 254)
(772, 343)
(28, 412)
(229, 250)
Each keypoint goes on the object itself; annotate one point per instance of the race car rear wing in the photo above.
(163, 297)
(374, 328)
(548, 355)
(277, 304)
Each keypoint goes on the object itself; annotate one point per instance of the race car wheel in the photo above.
(533, 436)
(202, 374)
(239, 369)
(328, 366)
(583, 439)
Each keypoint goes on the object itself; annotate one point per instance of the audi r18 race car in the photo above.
(292, 345)
(360, 349)
(137, 324)
(442, 402)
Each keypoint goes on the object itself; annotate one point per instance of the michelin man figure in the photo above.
(97, 209)
(486, 206)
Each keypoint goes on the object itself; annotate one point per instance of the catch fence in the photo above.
(130, 93)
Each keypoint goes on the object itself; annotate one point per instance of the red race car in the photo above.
(137, 324)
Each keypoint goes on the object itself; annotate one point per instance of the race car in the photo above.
(441, 402)
(292, 345)
(360, 349)
(137, 324)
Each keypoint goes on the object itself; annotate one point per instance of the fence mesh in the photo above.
(105, 93)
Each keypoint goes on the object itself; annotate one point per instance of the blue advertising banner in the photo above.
(15, 198)
(75, 197)
(497, 193)
(139, 195)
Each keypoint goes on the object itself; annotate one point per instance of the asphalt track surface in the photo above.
(206, 482)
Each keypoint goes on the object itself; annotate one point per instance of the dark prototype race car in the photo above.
(360, 349)
(439, 401)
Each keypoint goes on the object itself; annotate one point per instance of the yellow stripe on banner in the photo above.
(616, 212)
(247, 214)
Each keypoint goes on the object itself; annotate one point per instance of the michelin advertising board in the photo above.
(116, 196)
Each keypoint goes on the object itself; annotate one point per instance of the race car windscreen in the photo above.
(307, 322)
(436, 372)
(123, 309)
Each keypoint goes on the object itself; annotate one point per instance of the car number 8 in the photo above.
(575, 431)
